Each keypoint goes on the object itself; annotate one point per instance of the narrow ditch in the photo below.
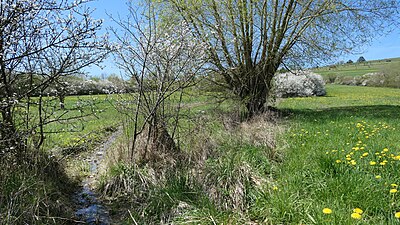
(90, 209)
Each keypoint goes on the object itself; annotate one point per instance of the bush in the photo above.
(299, 84)
(330, 78)
(73, 85)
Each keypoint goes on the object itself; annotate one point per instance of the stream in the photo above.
(90, 209)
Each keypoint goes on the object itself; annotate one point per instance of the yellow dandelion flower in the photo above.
(394, 185)
(365, 154)
(382, 163)
(338, 161)
(393, 190)
(348, 158)
(362, 148)
(378, 176)
(327, 211)
(358, 210)
(385, 150)
(372, 163)
(275, 188)
(353, 162)
(397, 215)
(356, 216)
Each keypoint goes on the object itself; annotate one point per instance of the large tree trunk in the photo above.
(255, 103)
(258, 92)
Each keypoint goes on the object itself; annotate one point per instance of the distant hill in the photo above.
(356, 69)
(376, 73)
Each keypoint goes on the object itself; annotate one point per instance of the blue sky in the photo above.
(382, 47)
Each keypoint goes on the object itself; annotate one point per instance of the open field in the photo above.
(339, 152)
(342, 153)
(356, 69)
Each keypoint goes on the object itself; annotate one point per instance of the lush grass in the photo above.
(87, 130)
(228, 174)
(331, 143)
(356, 69)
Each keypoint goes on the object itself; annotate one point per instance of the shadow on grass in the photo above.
(36, 190)
(334, 113)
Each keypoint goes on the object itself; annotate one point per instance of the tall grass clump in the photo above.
(221, 165)
(35, 190)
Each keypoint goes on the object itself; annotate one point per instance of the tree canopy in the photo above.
(248, 40)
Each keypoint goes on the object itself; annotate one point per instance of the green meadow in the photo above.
(342, 153)
(333, 160)
(316, 160)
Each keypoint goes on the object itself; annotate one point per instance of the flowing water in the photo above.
(90, 209)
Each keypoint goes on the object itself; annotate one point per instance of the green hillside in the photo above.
(357, 69)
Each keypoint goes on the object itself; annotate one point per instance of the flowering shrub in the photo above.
(80, 86)
(299, 84)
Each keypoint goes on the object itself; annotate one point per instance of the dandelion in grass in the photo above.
(372, 163)
(358, 210)
(393, 190)
(397, 215)
(394, 185)
(327, 211)
(338, 161)
(378, 177)
(356, 216)
(365, 154)
(275, 188)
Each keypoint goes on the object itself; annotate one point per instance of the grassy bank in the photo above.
(37, 186)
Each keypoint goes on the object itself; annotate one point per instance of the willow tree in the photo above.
(248, 40)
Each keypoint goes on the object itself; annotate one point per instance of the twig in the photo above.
(130, 214)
